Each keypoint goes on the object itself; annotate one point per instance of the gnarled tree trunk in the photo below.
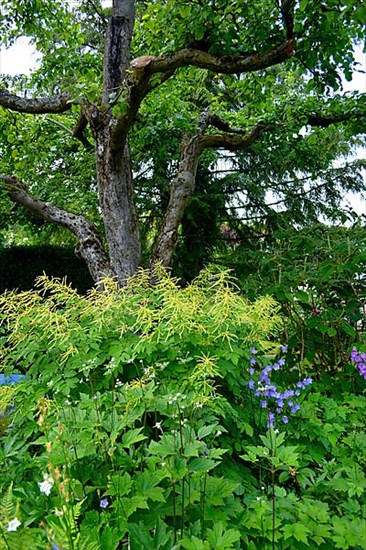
(113, 162)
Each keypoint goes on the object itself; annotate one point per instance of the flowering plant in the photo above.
(276, 402)
(359, 357)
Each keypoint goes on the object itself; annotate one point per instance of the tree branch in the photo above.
(89, 247)
(226, 64)
(79, 128)
(323, 121)
(183, 184)
(55, 104)
(211, 119)
(287, 12)
(139, 82)
(117, 46)
(232, 142)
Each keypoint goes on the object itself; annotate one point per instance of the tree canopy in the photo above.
(116, 137)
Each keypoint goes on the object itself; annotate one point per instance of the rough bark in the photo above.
(183, 185)
(225, 64)
(113, 163)
(56, 104)
(181, 190)
(89, 247)
(117, 47)
(116, 198)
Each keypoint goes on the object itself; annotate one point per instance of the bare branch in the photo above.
(55, 104)
(183, 184)
(99, 10)
(90, 247)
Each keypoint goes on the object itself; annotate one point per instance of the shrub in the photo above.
(137, 425)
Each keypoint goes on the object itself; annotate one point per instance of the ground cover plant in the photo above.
(167, 417)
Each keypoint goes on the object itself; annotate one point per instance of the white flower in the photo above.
(157, 426)
(219, 432)
(46, 486)
(13, 524)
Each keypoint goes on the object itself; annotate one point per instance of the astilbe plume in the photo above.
(359, 357)
(279, 404)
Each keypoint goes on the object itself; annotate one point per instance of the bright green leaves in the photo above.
(332, 29)
(219, 538)
(298, 531)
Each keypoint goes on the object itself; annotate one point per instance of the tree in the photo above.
(181, 42)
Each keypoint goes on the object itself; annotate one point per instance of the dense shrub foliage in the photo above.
(317, 275)
(143, 421)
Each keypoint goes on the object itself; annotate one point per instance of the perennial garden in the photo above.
(161, 417)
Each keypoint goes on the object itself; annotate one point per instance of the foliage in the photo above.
(317, 275)
(136, 423)
(293, 160)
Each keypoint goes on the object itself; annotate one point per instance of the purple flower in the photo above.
(271, 392)
(271, 420)
(104, 503)
(253, 351)
(284, 349)
(277, 402)
(252, 361)
(360, 359)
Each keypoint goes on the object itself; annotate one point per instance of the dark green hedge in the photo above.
(20, 265)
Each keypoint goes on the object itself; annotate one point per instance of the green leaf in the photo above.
(185, 11)
(207, 430)
(131, 504)
(221, 539)
(297, 530)
(132, 436)
(201, 465)
(120, 484)
(194, 543)
(110, 538)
